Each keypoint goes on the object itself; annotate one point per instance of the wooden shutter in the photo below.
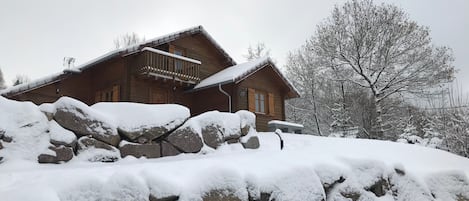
(251, 100)
(271, 104)
(115, 93)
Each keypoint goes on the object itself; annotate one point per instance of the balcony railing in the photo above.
(162, 64)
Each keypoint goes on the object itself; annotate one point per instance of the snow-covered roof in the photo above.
(237, 73)
(21, 88)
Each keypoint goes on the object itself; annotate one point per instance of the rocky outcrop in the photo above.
(62, 154)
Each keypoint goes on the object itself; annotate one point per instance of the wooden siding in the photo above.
(81, 86)
(268, 81)
(199, 48)
(211, 99)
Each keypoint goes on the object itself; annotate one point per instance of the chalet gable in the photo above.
(238, 73)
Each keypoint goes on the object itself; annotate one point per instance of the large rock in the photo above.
(212, 135)
(1, 145)
(87, 142)
(144, 135)
(168, 149)
(2, 133)
(82, 120)
(251, 143)
(143, 123)
(96, 151)
(140, 150)
(62, 154)
(214, 127)
(186, 140)
(60, 136)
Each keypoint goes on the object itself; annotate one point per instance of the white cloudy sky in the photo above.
(36, 35)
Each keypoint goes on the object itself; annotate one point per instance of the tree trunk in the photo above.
(315, 110)
(378, 130)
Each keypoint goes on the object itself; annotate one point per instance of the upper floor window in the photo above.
(178, 63)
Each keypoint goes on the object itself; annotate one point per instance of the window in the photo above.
(259, 102)
(178, 63)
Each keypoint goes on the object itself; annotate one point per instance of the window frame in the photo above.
(260, 104)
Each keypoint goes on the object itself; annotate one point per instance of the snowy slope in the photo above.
(295, 173)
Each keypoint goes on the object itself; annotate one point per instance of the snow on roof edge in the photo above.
(258, 64)
(163, 39)
(27, 86)
(172, 55)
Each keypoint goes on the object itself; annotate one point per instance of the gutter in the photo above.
(229, 97)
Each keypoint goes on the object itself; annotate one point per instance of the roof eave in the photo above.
(210, 86)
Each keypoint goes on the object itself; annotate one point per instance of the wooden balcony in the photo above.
(161, 64)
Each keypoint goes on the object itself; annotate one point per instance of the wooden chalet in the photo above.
(187, 67)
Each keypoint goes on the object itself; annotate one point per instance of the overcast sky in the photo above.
(35, 36)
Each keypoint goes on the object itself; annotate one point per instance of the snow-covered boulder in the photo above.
(168, 149)
(213, 127)
(48, 109)
(61, 154)
(186, 139)
(143, 122)
(252, 142)
(24, 129)
(61, 136)
(93, 150)
(79, 118)
(151, 150)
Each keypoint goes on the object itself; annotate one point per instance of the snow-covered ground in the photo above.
(298, 172)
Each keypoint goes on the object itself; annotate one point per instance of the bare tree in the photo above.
(258, 51)
(2, 81)
(20, 79)
(377, 47)
(128, 40)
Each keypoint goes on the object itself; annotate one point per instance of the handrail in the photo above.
(156, 62)
(171, 55)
